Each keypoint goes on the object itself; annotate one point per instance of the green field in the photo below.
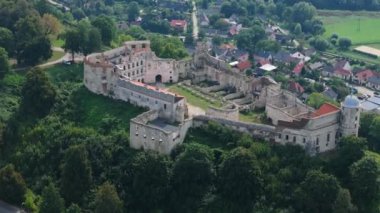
(361, 27)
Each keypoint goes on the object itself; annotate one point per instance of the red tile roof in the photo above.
(243, 65)
(325, 109)
(178, 23)
(298, 68)
(365, 74)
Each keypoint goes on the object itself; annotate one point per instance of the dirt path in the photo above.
(194, 110)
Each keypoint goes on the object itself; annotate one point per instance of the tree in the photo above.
(343, 203)
(7, 40)
(146, 181)
(107, 199)
(268, 45)
(319, 43)
(365, 185)
(106, 27)
(366, 119)
(350, 149)
(51, 24)
(76, 174)
(344, 43)
(247, 39)
(37, 95)
(303, 11)
(93, 41)
(4, 63)
(32, 44)
(298, 29)
(51, 200)
(317, 99)
(72, 41)
(192, 178)
(133, 11)
(318, 192)
(12, 185)
(239, 180)
(374, 133)
(73, 208)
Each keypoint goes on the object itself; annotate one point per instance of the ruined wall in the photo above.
(230, 113)
(149, 137)
(259, 131)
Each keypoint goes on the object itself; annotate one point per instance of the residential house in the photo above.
(317, 66)
(300, 56)
(263, 57)
(342, 69)
(330, 93)
(298, 68)
(234, 29)
(362, 76)
(244, 65)
(374, 82)
(203, 20)
(180, 25)
(295, 87)
(284, 57)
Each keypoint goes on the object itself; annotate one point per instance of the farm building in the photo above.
(368, 51)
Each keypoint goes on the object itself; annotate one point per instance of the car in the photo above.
(67, 62)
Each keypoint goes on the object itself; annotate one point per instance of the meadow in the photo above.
(361, 27)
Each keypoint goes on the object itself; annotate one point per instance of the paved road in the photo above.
(7, 208)
(364, 90)
(66, 57)
(58, 4)
(195, 21)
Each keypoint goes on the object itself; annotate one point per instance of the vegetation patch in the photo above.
(360, 27)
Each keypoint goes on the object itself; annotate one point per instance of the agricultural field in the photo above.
(361, 27)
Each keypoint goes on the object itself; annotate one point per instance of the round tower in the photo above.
(350, 116)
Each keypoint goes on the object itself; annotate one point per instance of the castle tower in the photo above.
(350, 116)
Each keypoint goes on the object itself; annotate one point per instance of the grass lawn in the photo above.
(57, 42)
(252, 116)
(361, 27)
(65, 73)
(93, 108)
(192, 98)
(56, 55)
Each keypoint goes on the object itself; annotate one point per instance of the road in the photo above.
(364, 90)
(58, 4)
(7, 208)
(195, 21)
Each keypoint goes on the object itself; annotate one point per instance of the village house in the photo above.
(298, 68)
(203, 20)
(296, 88)
(179, 25)
(330, 93)
(374, 82)
(362, 76)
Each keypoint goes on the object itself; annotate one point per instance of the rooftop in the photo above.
(325, 109)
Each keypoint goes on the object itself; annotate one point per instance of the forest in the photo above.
(64, 149)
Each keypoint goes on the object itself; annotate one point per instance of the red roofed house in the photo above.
(244, 65)
(363, 76)
(180, 25)
(343, 70)
(298, 68)
(295, 87)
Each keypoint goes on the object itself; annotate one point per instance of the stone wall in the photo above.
(259, 131)
(147, 136)
(230, 112)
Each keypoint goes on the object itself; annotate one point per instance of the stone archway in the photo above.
(158, 78)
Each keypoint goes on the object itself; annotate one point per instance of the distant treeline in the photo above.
(340, 4)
